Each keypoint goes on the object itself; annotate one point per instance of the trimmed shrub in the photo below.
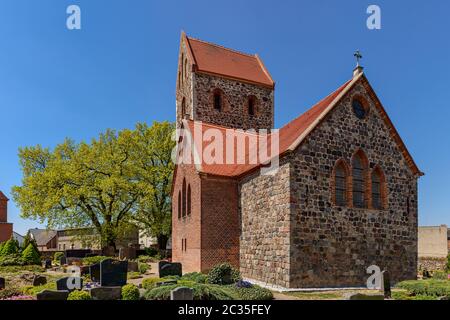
(200, 291)
(79, 295)
(223, 274)
(195, 276)
(9, 248)
(31, 256)
(93, 260)
(439, 288)
(252, 293)
(143, 268)
(150, 283)
(11, 260)
(134, 275)
(152, 252)
(130, 292)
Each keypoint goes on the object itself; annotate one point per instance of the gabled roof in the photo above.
(294, 133)
(2, 196)
(42, 236)
(217, 60)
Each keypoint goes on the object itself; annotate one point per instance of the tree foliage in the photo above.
(31, 255)
(10, 247)
(108, 184)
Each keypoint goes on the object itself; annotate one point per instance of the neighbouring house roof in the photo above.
(42, 236)
(293, 133)
(214, 59)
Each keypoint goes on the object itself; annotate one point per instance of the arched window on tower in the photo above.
(378, 189)
(340, 184)
(251, 107)
(189, 203)
(359, 180)
(184, 198)
(217, 97)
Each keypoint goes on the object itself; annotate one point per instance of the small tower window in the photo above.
(251, 106)
(218, 100)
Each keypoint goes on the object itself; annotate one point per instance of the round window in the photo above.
(359, 109)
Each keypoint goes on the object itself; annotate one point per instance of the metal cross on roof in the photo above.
(358, 57)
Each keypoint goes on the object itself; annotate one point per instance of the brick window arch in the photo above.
(378, 190)
(218, 99)
(189, 202)
(179, 204)
(184, 198)
(341, 183)
(360, 179)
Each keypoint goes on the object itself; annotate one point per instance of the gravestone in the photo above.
(113, 273)
(69, 284)
(63, 260)
(84, 270)
(108, 251)
(386, 284)
(169, 269)
(2, 283)
(133, 266)
(39, 280)
(94, 271)
(182, 293)
(106, 293)
(52, 295)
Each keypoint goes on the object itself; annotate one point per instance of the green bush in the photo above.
(143, 268)
(431, 287)
(93, 260)
(440, 275)
(152, 252)
(448, 264)
(195, 276)
(404, 295)
(11, 260)
(253, 293)
(79, 295)
(134, 275)
(33, 291)
(9, 248)
(200, 291)
(145, 259)
(31, 256)
(223, 274)
(130, 292)
(150, 283)
(57, 256)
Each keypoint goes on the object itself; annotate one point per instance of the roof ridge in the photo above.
(251, 55)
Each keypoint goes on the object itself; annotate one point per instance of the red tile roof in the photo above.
(290, 136)
(214, 59)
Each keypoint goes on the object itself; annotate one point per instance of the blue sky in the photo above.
(120, 68)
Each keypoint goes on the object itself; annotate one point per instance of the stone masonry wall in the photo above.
(184, 85)
(265, 226)
(333, 246)
(234, 113)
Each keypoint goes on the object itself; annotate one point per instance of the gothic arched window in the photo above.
(179, 204)
(183, 108)
(189, 202)
(378, 189)
(184, 198)
(359, 180)
(340, 184)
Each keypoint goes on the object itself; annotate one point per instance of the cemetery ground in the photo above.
(26, 276)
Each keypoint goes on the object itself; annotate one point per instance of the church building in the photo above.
(344, 196)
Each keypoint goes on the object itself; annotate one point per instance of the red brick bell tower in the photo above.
(6, 228)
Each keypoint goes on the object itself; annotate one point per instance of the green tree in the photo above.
(103, 184)
(30, 255)
(10, 247)
(156, 167)
(29, 240)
